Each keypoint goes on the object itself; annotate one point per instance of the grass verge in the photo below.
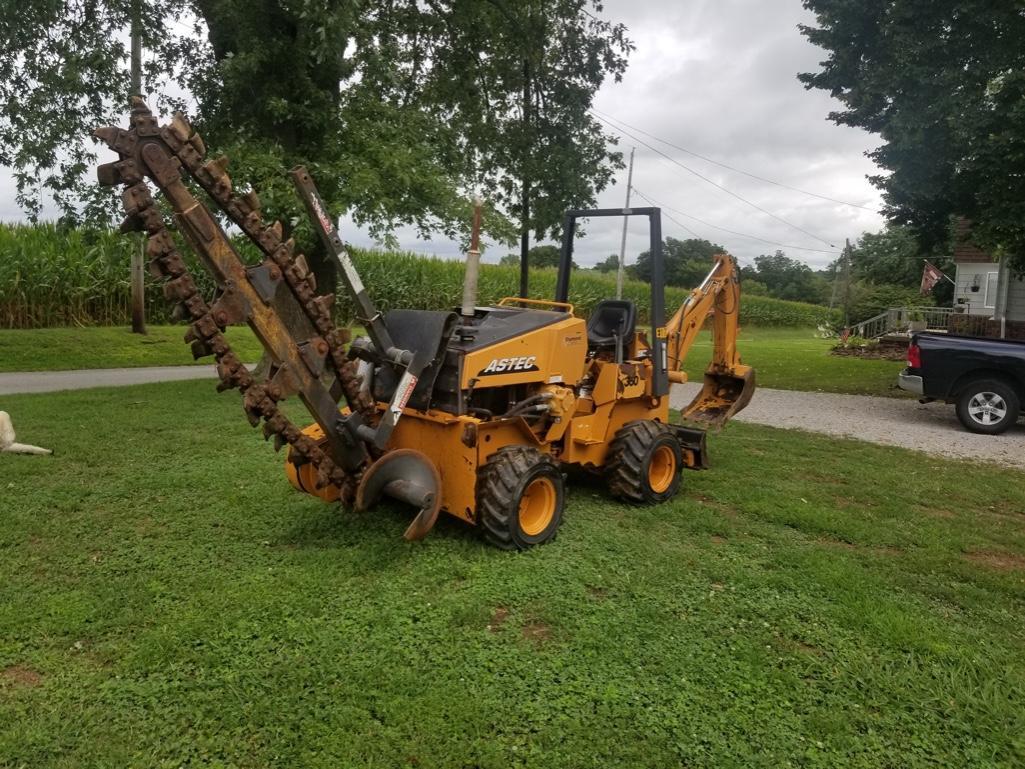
(55, 349)
(794, 359)
(166, 600)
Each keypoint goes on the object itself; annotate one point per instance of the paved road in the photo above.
(50, 381)
(904, 422)
(932, 428)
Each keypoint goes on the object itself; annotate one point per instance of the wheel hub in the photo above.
(987, 408)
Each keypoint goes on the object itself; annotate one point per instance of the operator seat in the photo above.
(611, 323)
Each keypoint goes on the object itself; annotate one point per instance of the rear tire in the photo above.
(644, 463)
(520, 498)
(988, 406)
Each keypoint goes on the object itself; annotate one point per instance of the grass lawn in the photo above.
(790, 359)
(793, 359)
(53, 349)
(166, 600)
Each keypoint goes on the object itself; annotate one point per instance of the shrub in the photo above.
(854, 342)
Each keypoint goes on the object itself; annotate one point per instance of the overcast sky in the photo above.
(718, 78)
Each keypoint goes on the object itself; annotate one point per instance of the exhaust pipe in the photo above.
(472, 263)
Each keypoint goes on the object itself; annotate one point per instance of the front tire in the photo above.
(644, 463)
(520, 498)
(988, 406)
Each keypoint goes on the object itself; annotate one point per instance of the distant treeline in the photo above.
(54, 277)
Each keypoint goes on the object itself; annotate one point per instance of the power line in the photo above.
(732, 232)
(733, 168)
(622, 132)
(680, 224)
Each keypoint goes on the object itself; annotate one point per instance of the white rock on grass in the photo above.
(7, 439)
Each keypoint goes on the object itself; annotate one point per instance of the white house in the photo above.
(987, 288)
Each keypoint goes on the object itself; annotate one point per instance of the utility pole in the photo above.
(622, 244)
(847, 284)
(138, 285)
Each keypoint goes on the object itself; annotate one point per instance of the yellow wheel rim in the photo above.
(661, 469)
(537, 506)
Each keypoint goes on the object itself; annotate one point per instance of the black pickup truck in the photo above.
(985, 378)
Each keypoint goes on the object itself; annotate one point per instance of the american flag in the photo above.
(931, 275)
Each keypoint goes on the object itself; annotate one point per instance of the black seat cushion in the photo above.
(611, 318)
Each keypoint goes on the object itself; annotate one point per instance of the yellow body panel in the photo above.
(554, 353)
(591, 400)
(589, 435)
(458, 445)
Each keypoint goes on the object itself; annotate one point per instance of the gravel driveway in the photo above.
(932, 428)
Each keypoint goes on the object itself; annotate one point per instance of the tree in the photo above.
(869, 299)
(943, 83)
(686, 261)
(786, 278)
(519, 78)
(609, 264)
(894, 256)
(537, 257)
(398, 107)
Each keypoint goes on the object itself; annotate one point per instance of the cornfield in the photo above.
(55, 277)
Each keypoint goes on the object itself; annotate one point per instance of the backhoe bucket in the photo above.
(722, 396)
(408, 476)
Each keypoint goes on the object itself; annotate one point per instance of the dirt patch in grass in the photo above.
(844, 545)
(715, 504)
(537, 632)
(995, 559)
(879, 352)
(794, 645)
(936, 512)
(21, 676)
(597, 593)
(498, 619)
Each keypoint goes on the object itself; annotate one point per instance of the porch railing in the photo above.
(898, 320)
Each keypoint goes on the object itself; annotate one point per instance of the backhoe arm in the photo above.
(729, 384)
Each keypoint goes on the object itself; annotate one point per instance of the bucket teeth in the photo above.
(117, 139)
(131, 223)
(325, 303)
(109, 174)
(218, 172)
(180, 127)
(200, 349)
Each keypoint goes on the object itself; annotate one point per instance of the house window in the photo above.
(992, 280)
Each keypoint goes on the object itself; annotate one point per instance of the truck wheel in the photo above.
(644, 463)
(520, 498)
(988, 406)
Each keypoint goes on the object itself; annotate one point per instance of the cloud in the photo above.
(718, 77)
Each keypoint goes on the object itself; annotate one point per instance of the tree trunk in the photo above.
(525, 189)
(525, 240)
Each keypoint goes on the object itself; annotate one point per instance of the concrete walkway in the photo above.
(51, 381)
(931, 428)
